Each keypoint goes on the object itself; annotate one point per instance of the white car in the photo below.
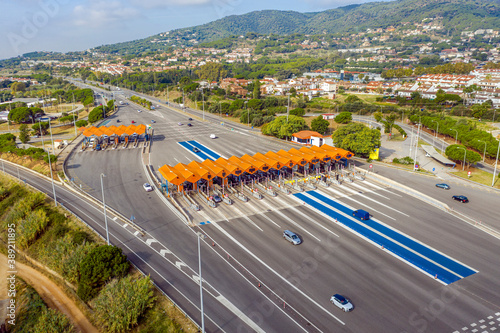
(342, 302)
(139, 110)
(147, 187)
(212, 136)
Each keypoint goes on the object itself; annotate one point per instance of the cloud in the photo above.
(170, 3)
(99, 13)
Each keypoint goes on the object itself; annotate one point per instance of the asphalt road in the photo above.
(388, 294)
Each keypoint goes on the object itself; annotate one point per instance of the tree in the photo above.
(212, 72)
(18, 87)
(256, 89)
(41, 127)
(81, 123)
(20, 115)
(280, 128)
(24, 133)
(320, 125)
(456, 153)
(357, 138)
(255, 104)
(300, 112)
(352, 99)
(343, 118)
(98, 267)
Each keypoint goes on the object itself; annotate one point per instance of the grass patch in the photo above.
(479, 176)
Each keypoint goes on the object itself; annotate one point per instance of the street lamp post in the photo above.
(50, 164)
(104, 204)
(203, 96)
(201, 284)
(484, 153)
(436, 130)
(74, 119)
(456, 134)
(465, 153)
(496, 162)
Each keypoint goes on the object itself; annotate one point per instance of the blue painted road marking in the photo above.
(190, 147)
(430, 261)
(204, 149)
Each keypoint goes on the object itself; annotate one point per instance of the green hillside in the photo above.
(454, 15)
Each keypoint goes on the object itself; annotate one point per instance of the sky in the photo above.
(76, 25)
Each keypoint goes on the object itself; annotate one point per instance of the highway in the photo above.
(244, 248)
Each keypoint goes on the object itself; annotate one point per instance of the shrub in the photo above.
(98, 267)
(343, 118)
(81, 123)
(120, 304)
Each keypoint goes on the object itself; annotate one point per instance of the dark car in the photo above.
(361, 214)
(118, 120)
(153, 121)
(443, 186)
(189, 124)
(461, 198)
(196, 150)
(190, 119)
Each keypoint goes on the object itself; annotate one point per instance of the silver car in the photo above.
(342, 302)
(291, 237)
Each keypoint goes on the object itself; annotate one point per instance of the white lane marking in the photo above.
(290, 220)
(240, 314)
(163, 252)
(308, 218)
(252, 205)
(364, 196)
(356, 201)
(125, 225)
(368, 191)
(136, 233)
(388, 237)
(382, 189)
(179, 264)
(276, 273)
(115, 218)
(265, 296)
(241, 215)
(151, 241)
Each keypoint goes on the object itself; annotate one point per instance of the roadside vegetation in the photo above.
(115, 297)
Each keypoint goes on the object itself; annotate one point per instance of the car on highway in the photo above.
(443, 186)
(217, 199)
(133, 121)
(147, 187)
(190, 119)
(196, 150)
(341, 302)
(461, 198)
(153, 121)
(291, 237)
(139, 110)
(189, 124)
(98, 147)
(361, 214)
(118, 120)
(212, 136)
(180, 124)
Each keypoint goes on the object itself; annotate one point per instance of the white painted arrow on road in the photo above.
(150, 241)
(163, 252)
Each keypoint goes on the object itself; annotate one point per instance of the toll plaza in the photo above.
(112, 137)
(225, 180)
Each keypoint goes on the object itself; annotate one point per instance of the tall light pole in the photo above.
(50, 165)
(51, 139)
(104, 204)
(203, 96)
(435, 121)
(200, 235)
(496, 162)
(416, 148)
(456, 134)
(484, 153)
(465, 153)
(74, 119)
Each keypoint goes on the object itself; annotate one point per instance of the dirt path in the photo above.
(49, 291)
